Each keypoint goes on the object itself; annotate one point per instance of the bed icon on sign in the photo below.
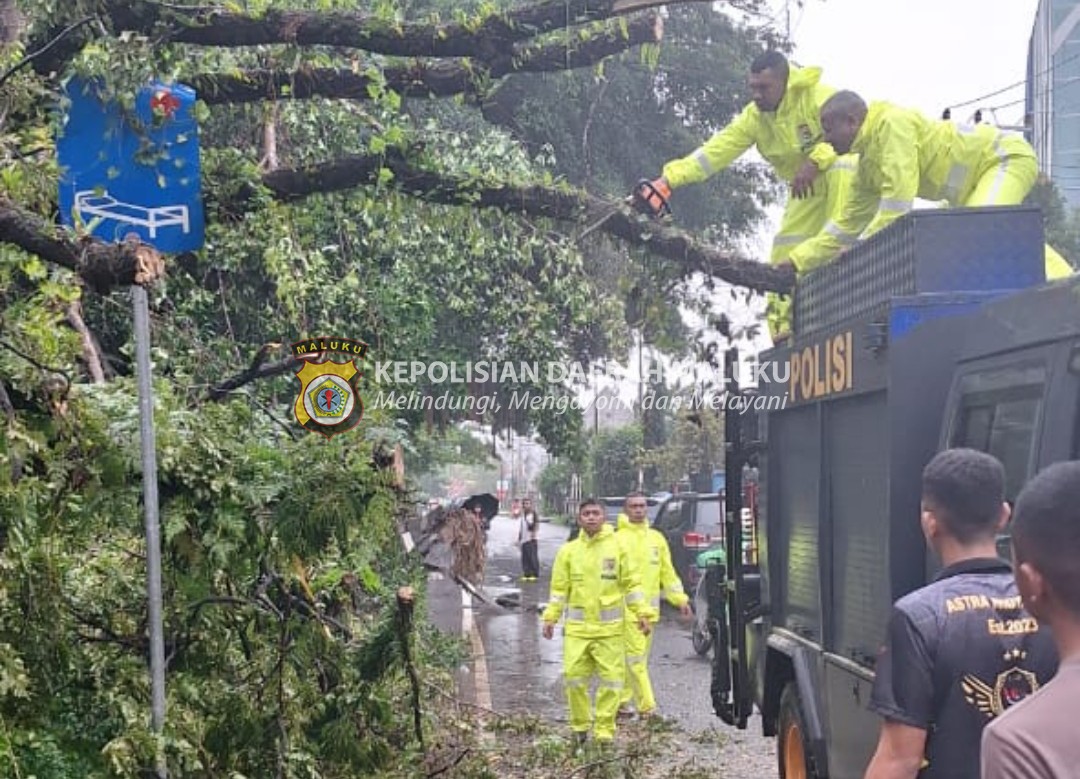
(90, 203)
(132, 172)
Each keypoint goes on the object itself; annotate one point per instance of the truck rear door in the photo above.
(1022, 406)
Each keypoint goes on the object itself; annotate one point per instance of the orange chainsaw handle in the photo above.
(651, 197)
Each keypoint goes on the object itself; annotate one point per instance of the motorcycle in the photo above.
(705, 627)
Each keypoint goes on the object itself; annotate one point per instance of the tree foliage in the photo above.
(1062, 227)
(555, 481)
(614, 455)
(694, 446)
(340, 201)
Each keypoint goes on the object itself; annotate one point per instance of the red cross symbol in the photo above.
(164, 103)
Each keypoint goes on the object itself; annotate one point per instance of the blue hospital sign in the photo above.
(125, 174)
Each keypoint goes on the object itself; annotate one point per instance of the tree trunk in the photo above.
(11, 22)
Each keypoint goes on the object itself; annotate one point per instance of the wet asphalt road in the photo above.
(525, 671)
(515, 669)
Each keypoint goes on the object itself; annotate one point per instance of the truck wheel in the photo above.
(701, 638)
(792, 740)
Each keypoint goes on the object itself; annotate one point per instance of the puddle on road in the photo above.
(525, 670)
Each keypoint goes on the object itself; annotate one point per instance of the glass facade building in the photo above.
(1053, 94)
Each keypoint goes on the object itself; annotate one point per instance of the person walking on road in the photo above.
(648, 550)
(1038, 738)
(593, 584)
(528, 537)
(960, 650)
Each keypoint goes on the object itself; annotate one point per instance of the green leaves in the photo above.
(240, 501)
(280, 547)
(14, 681)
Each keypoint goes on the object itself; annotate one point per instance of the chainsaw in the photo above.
(649, 197)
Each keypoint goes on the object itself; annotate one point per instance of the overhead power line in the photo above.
(997, 92)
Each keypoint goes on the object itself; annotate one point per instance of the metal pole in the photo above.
(641, 378)
(153, 532)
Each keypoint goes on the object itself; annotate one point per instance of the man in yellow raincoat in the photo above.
(648, 550)
(783, 121)
(903, 155)
(593, 583)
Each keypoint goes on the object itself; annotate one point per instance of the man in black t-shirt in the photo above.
(961, 650)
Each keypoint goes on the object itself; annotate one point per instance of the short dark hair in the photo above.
(633, 494)
(846, 103)
(770, 60)
(590, 502)
(1046, 529)
(965, 488)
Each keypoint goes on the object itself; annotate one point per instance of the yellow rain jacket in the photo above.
(593, 582)
(1057, 267)
(648, 550)
(785, 137)
(904, 155)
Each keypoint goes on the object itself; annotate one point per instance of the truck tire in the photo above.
(792, 741)
(700, 630)
(701, 637)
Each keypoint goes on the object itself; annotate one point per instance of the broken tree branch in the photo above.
(406, 599)
(256, 370)
(41, 52)
(563, 204)
(105, 265)
(487, 36)
(91, 356)
(424, 78)
(101, 265)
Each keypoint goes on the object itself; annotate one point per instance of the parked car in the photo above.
(691, 522)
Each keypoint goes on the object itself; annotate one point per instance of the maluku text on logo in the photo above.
(328, 402)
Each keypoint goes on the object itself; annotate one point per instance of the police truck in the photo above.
(939, 331)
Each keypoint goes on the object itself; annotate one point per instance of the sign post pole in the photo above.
(153, 529)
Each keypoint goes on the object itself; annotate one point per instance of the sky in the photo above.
(925, 54)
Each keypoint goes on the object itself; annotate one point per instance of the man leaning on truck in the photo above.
(960, 650)
(903, 155)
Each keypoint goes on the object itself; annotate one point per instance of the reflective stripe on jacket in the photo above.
(648, 550)
(904, 155)
(592, 582)
(785, 137)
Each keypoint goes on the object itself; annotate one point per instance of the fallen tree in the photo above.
(464, 55)
(104, 265)
(566, 204)
(425, 78)
(489, 37)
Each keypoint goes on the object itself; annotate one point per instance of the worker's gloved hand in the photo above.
(651, 197)
(803, 183)
(787, 268)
